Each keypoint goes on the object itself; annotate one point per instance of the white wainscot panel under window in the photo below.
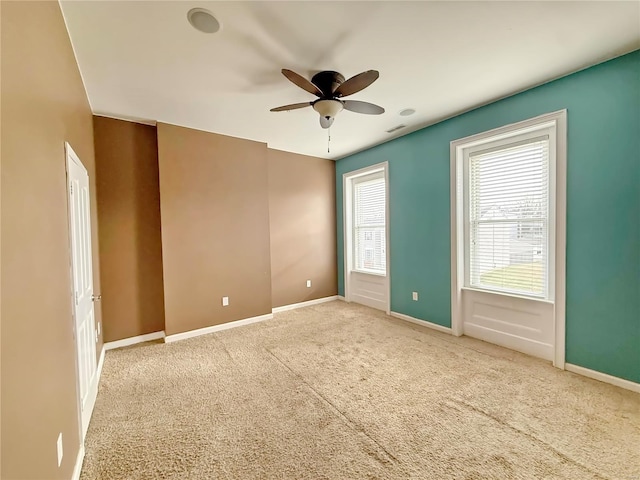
(518, 323)
(369, 290)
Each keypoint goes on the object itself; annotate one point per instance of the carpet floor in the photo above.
(339, 391)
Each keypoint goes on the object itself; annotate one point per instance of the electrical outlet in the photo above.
(415, 296)
(225, 301)
(308, 283)
(59, 447)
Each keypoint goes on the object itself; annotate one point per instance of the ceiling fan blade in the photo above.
(302, 82)
(293, 106)
(362, 107)
(357, 83)
(326, 122)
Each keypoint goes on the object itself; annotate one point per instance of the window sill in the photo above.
(368, 272)
(506, 294)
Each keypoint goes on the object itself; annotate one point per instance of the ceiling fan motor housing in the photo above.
(327, 81)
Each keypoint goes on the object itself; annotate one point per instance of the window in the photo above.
(507, 190)
(369, 223)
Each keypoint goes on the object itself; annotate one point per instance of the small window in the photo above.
(369, 223)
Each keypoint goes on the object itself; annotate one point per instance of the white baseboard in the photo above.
(422, 323)
(78, 467)
(603, 377)
(216, 328)
(100, 363)
(308, 303)
(125, 342)
(341, 297)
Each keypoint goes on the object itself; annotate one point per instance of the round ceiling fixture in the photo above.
(203, 20)
(328, 108)
(406, 112)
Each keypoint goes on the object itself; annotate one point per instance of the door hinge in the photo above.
(76, 297)
(71, 188)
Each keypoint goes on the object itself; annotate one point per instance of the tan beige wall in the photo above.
(299, 201)
(130, 240)
(302, 212)
(215, 228)
(43, 105)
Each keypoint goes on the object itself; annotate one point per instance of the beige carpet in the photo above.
(339, 391)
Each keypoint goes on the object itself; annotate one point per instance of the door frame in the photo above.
(71, 156)
(347, 221)
(559, 120)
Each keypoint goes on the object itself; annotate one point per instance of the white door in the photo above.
(81, 264)
(366, 237)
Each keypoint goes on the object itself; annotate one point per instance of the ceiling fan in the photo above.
(330, 87)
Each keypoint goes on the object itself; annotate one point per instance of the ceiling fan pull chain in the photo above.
(329, 140)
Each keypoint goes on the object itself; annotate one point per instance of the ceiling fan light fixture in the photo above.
(328, 108)
(330, 87)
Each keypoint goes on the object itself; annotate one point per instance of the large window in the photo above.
(369, 237)
(508, 205)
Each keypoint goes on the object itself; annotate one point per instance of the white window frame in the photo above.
(555, 122)
(347, 226)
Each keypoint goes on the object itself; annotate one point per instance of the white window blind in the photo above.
(509, 218)
(369, 224)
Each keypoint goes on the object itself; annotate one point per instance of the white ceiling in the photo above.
(142, 60)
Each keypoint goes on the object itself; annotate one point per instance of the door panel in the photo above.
(83, 308)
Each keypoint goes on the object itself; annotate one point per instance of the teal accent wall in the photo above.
(603, 209)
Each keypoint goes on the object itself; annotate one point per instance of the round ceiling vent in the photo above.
(407, 111)
(203, 20)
